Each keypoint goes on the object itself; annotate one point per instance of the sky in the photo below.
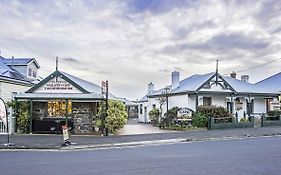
(133, 42)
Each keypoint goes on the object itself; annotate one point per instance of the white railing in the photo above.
(3, 129)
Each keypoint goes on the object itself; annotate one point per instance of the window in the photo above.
(207, 101)
(34, 74)
(58, 108)
(141, 109)
(29, 72)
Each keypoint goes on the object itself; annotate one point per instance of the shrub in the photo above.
(169, 117)
(243, 120)
(154, 116)
(22, 115)
(199, 120)
(116, 116)
(214, 111)
(273, 113)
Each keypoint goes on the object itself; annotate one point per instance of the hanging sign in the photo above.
(3, 112)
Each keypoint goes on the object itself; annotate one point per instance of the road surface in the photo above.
(231, 157)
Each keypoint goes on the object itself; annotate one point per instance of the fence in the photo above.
(3, 129)
(270, 120)
(231, 122)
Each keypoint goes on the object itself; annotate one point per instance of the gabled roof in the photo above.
(195, 82)
(10, 73)
(82, 85)
(20, 61)
(272, 83)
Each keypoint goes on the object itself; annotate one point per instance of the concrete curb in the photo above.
(159, 142)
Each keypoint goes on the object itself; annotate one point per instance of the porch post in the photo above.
(196, 101)
(30, 117)
(66, 112)
(231, 101)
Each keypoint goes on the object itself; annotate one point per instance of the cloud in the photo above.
(131, 43)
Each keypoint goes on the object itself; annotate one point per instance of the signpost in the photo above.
(4, 118)
(104, 90)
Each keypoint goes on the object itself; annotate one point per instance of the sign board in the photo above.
(65, 133)
(185, 112)
(3, 112)
(58, 85)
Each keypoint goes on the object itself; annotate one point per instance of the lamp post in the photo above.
(166, 92)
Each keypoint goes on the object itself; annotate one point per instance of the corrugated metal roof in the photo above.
(20, 61)
(272, 83)
(8, 72)
(192, 83)
(58, 96)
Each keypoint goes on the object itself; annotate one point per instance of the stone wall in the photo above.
(83, 115)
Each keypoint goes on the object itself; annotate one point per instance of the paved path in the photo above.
(133, 127)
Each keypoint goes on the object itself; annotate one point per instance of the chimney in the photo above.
(233, 75)
(150, 87)
(175, 79)
(245, 78)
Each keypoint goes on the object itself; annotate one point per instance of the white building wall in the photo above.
(7, 90)
(259, 105)
(178, 101)
(146, 107)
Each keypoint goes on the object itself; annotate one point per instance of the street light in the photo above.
(166, 92)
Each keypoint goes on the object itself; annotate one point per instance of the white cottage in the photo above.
(235, 95)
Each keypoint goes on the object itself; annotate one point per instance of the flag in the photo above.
(3, 113)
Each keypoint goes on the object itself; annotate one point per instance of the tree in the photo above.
(154, 115)
(116, 115)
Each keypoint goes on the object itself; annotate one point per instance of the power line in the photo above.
(254, 67)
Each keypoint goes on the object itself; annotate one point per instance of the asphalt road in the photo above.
(243, 156)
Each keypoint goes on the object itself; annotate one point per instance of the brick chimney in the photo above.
(233, 74)
(175, 79)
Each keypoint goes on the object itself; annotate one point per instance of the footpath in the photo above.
(36, 141)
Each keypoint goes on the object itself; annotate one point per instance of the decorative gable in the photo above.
(57, 85)
(216, 84)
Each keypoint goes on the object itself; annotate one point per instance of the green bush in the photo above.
(22, 115)
(199, 120)
(169, 118)
(154, 116)
(244, 120)
(116, 116)
(273, 113)
(214, 111)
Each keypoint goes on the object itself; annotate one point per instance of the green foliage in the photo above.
(274, 113)
(214, 111)
(154, 116)
(22, 115)
(116, 116)
(169, 118)
(199, 120)
(244, 120)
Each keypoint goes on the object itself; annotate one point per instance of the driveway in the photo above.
(133, 127)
